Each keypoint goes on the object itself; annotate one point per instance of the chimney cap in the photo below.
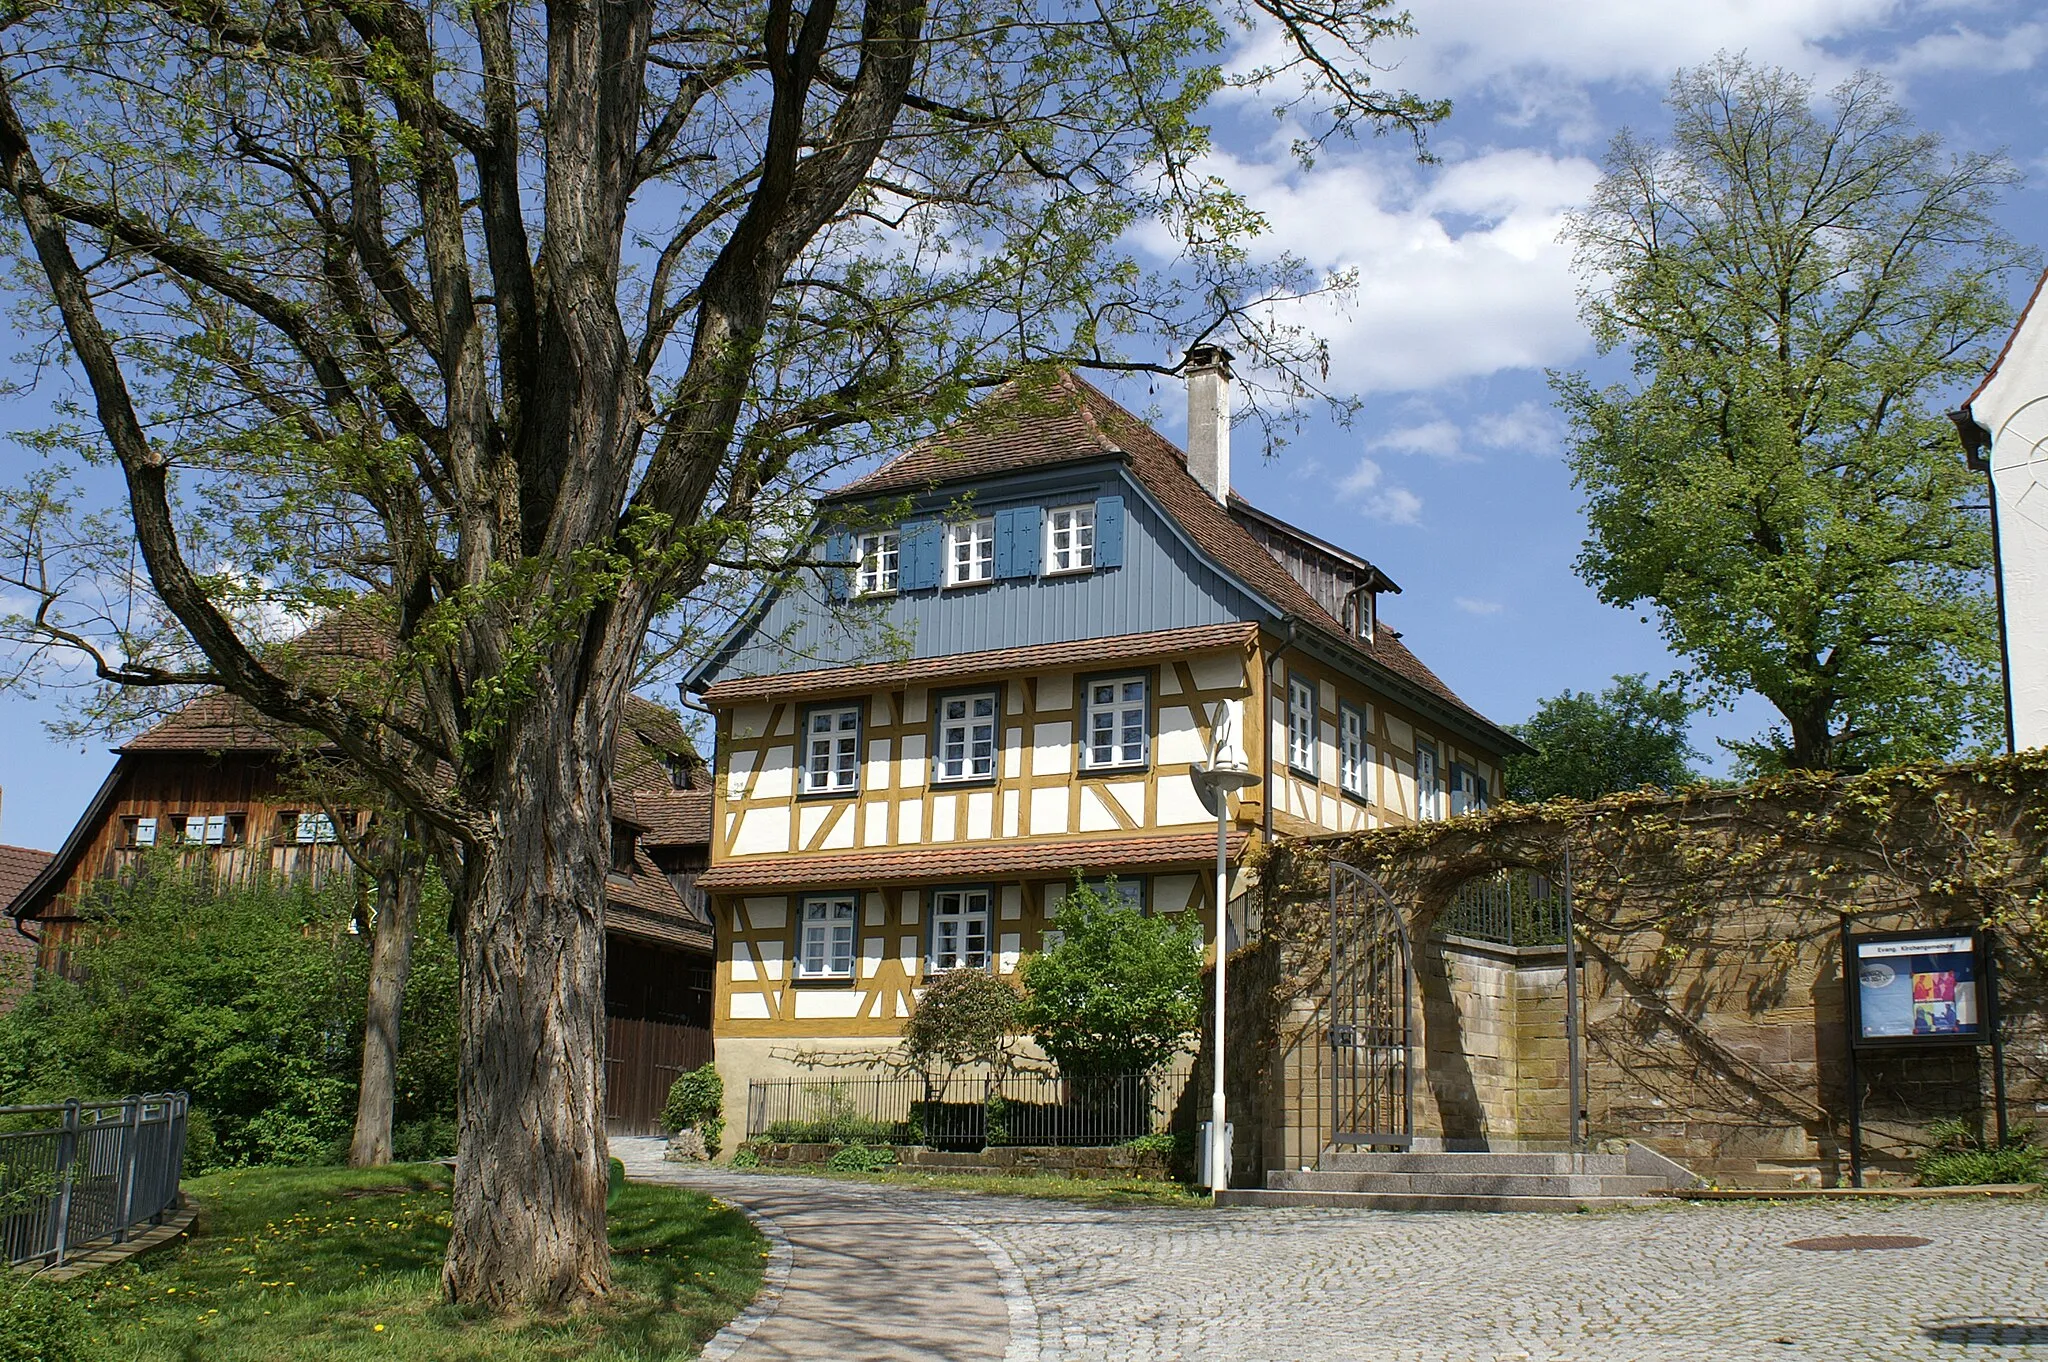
(1208, 355)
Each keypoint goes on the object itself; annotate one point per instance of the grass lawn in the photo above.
(1088, 1191)
(338, 1263)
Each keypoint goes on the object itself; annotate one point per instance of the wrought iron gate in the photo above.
(1371, 1001)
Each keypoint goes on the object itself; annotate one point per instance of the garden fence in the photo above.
(966, 1111)
(1518, 907)
(76, 1173)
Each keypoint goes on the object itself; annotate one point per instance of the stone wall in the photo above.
(1709, 929)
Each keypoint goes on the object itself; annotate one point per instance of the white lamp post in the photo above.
(1228, 770)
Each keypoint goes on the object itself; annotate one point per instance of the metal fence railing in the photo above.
(79, 1172)
(965, 1112)
(1512, 907)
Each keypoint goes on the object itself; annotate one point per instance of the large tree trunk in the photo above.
(391, 938)
(532, 1166)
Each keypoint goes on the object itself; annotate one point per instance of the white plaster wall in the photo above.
(2013, 406)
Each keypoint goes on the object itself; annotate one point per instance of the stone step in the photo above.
(1468, 1184)
(1360, 1161)
(1400, 1201)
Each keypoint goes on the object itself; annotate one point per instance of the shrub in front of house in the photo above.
(696, 1101)
(1121, 993)
(250, 998)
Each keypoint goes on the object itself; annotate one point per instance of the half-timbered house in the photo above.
(1006, 680)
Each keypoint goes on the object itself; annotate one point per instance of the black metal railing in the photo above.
(1518, 907)
(75, 1173)
(965, 1112)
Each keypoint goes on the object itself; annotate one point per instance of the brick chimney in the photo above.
(1208, 374)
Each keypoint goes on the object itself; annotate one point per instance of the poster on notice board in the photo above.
(1920, 987)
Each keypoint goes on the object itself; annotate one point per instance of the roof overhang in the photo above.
(991, 662)
(972, 861)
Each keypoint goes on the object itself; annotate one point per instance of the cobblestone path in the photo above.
(1716, 1283)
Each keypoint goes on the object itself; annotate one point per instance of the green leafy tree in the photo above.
(1121, 993)
(528, 320)
(250, 997)
(1630, 735)
(1801, 287)
(965, 1017)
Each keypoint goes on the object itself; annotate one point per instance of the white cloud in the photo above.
(1521, 48)
(1438, 439)
(1525, 428)
(1966, 49)
(1379, 500)
(1472, 605)
(1460, 269)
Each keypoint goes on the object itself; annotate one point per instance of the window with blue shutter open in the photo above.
(921, 545)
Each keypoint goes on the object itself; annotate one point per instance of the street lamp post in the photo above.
(1227, 771)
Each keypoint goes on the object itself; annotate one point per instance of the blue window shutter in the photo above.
(838, 579)
(1030, 538)
(1017, 542)
(919, 564)
(1006, 543)
(1109, 532)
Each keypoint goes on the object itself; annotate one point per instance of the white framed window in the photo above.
(826, 950)
(1468, 791)
(311, 829)
(959, 929)
(1070, 539)
(142, 832)
(966, 749)
(1301, 726)
(1353, 772)
(832, 750)
(881, 564)
(971, 552)
(208, 829)
(1429, 788)
(1117, 723)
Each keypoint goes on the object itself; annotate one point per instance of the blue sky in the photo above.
(1452, 479)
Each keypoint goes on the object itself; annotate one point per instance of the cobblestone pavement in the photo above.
(1713, 1282)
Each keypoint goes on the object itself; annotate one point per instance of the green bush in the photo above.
(421, 1141)
(861, 1158)
(746, 1156)
(1122, 993)
(38, 1323)
(1955, 1157)
(696, 1101)
(1163, 1143)
(965, 1016)
(249, 997)
(837, 1129)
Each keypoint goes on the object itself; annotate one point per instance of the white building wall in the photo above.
(2013, 406)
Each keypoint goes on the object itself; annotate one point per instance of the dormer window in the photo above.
(881, 559)
(1361, 613)
(971, 552)
(625, 842)
(1070, 539)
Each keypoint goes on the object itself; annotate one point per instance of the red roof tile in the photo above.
(1075, 653)
(18, 866)
(966, 861)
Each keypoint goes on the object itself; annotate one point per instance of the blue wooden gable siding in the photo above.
(1159, 582)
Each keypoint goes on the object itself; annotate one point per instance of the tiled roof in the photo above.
(18, 866)
(673, 818)
(1018, 424)
(965, 861)
(1068, 419)
(1074, 653)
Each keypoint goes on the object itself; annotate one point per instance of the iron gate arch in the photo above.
(1372, 1000)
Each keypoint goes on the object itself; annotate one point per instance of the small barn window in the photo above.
(625, 842)
(139, 832)
(212, 829)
